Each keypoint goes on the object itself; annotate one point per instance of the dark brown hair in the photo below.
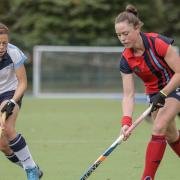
(3, 29)
(131, 15)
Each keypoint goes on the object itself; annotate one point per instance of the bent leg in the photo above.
(157, 145)
(173, 136)
(16, 142)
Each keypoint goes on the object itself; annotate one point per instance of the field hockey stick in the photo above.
(117, 142)
(3, 119)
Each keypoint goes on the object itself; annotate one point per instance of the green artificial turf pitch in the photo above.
(66, 136)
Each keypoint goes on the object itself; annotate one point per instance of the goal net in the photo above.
(77, 71)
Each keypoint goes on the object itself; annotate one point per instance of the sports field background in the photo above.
(67, 136)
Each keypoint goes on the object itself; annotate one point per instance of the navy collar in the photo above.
(145, 40)
(5, 56)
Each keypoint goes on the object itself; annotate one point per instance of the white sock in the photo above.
(21, 150)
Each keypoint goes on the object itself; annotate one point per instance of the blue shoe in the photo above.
(33, 173)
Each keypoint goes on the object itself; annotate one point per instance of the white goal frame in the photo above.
(37, 53)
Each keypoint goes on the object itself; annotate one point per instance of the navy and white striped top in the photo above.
(11, 60)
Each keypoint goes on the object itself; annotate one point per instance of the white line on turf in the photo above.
(68, 142)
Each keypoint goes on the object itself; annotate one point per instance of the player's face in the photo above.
(127, 34)
(3, 44)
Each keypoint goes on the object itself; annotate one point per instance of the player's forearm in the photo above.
(19, 91)
(173, 84)
(128, 105)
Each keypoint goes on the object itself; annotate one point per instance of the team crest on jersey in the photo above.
(136, 69)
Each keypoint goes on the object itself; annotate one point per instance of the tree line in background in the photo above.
(82, 22)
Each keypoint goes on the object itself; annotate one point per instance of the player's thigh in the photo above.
(12, 118)
(11, 121)
(166, 114)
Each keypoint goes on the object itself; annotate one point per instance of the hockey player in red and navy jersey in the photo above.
(153, 59)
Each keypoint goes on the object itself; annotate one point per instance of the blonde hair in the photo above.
(131, 15)
(3, 29)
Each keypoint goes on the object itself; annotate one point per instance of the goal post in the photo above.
(77, 72)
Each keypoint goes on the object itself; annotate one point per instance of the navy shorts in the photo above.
(175, 94)
(8, 95)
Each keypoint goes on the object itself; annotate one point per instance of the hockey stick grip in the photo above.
(3, 119)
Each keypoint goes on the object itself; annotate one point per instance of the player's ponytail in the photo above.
(131, 9)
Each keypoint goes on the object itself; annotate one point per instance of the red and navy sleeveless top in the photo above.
(151, 66)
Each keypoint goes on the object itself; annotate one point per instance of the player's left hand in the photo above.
(158, 101)
(8, 108)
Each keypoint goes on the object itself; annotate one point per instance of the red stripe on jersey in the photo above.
(156, 58)
(161, 83)
(161, 53)
(156, 67)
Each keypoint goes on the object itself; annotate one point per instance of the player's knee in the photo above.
(172, 136)
(9, 128)
(159, 128)
(10, 133)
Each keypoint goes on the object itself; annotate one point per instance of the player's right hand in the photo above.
(124, 132)
(8, 108)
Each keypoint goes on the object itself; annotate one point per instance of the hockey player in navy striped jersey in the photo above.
(13, 83)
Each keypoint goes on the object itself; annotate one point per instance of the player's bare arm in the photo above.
(173, 60)
(128, 94)
(127, 102)
(22, 83)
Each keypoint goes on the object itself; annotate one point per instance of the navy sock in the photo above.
(18, 143)
(14, 159)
